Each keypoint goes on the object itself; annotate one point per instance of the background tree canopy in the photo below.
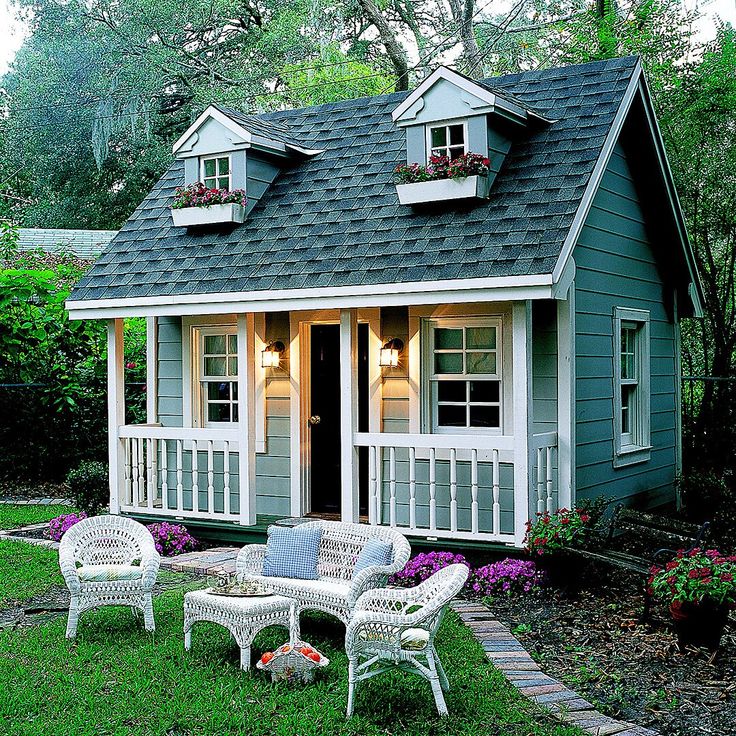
(101, 89)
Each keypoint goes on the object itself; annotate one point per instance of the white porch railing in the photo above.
(180, 472)
(543, 447)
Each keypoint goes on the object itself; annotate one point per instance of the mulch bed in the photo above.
(23, 491)
(633, 672)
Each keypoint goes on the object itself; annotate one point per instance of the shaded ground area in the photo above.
(634, 672)
(17, 490)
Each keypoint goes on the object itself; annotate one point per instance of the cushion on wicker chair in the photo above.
(413, 640)
(375, 552)
(104, 573)
(292, 553)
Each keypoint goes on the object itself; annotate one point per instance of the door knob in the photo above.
(314, 420)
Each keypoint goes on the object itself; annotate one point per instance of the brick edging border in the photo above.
(509, 656)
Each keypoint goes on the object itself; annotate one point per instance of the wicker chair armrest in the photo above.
(392, 624)
(387, 600)
(250, 560)
(150, 562)
(367, 579)
(68, 566)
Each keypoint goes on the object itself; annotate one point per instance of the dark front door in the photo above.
(324, 420)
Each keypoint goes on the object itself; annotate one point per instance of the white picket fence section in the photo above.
(154, 464)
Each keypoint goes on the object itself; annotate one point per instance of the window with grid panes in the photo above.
(447, 140)
(465, 375)
(216, 172)
(219, 376)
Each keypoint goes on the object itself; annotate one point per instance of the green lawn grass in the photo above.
(26, 571)
(13, 516)
(118, 680)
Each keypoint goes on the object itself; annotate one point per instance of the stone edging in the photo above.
(37, 501)
(11, 535)
(508, 655)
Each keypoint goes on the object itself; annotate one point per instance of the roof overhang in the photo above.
(503, 288)
(637, 86)
(248, 138)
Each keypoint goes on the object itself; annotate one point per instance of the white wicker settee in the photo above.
(105, 561)
(336, 590)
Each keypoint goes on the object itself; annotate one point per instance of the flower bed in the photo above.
(172, 539)
(59, 525)
(200, 205)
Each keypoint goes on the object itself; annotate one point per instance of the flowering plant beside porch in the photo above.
(198, 195)
(563, 529)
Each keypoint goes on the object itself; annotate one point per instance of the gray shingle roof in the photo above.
(335, 220)
(87, 244)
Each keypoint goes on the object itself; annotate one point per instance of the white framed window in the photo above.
(217, 368)
(463, 375)
(632, 376)
(448, 139)
(215, 172)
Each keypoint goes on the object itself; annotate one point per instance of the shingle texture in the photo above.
(335, 220)
(87, 244)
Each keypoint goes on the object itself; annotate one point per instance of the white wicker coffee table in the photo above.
(243, 617)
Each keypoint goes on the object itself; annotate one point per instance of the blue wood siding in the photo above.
(170, 408)
(616, 267)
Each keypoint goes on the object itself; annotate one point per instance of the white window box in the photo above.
(213, 215)
(440, 190)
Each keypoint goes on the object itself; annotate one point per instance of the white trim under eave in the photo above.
(504, 288)
(598, 170)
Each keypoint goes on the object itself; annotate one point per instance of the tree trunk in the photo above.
(396, 53)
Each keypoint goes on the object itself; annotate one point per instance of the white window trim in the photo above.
(217, 176)
(440, 124)
(427, 393)
(199, 399)
(639, 450)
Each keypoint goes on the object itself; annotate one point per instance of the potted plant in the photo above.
(551, 537)
(199, 205)
(464, 177)
(700, 587)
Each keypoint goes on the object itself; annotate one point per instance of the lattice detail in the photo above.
(339, 549)
(108, 540)
(373, 640)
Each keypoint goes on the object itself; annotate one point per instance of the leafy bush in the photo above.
(89, 486)
(696, 576)
(506, 577)
(423, 566)
(172, 539)
(59, 525)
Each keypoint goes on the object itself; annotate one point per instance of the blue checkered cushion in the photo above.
(292, 553)
(375, 552)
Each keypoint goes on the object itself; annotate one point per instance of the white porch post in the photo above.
(151, 370)
(349, 413)
(246, 419)
(566, 400)
(115, 409)
(522, 389)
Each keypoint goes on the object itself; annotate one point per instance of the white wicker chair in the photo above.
(336, 591)
(396, 627)
(106, 549)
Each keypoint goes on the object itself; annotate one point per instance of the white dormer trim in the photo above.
(246, 138)
(450, 76)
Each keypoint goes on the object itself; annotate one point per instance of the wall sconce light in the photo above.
(271, 354)
(390, 353)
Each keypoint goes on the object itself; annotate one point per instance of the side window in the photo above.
(215, 172)
(632, 377)
(463, 375)
(218, 375)
(447, 140)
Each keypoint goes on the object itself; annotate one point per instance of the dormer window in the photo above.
(447, 140)
(215, 172)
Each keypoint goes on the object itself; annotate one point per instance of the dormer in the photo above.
(451, 115)
(226, 149)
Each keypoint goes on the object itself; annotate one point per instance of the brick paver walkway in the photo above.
(506, 653)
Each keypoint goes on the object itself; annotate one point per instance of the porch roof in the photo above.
(334, 221)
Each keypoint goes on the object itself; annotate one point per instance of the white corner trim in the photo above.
(598, 171)
(151, 370)
(450, 76)
(260, 389)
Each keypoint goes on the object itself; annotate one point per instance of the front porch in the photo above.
(466, 487)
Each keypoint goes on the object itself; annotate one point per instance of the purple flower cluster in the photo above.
(59, 525)
(423, 566)
(172, 539)
(506, 577)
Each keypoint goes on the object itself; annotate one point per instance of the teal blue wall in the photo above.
(170, 407)
(616, 267)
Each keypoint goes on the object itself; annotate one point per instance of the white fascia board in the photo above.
(506, 288)
(595, 178)
(212, 113)
(450, 76)
(696, 292)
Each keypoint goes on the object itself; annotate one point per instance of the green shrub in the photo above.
(89, 487)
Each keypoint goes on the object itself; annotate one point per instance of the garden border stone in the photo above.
(506, 653)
